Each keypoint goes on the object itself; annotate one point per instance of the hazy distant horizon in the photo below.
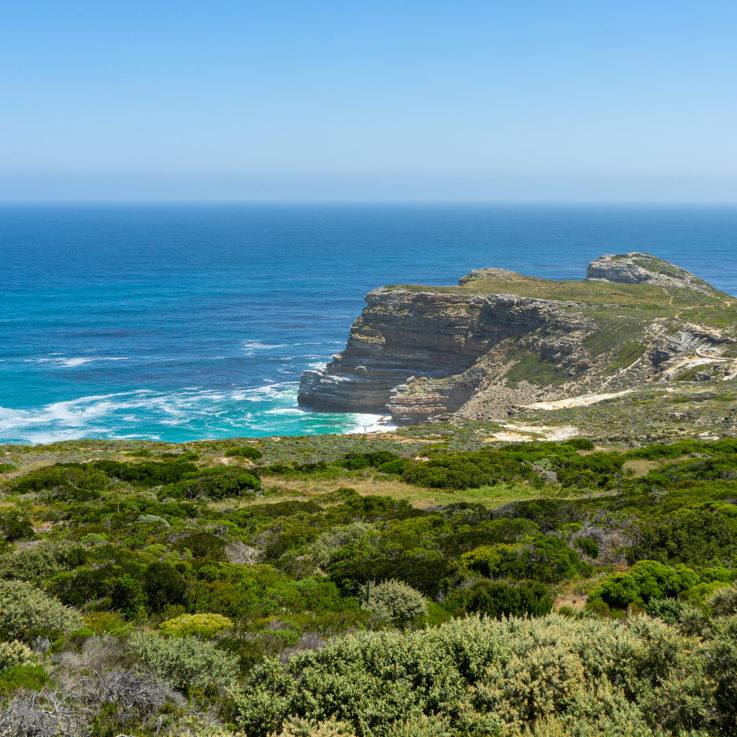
(293, 101)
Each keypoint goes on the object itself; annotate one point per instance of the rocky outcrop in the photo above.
(501, 340)
(641, 268)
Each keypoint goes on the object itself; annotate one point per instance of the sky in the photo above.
(348, 100)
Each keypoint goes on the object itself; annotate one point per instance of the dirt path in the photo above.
(581, 401)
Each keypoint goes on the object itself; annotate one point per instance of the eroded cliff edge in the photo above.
(501, 340)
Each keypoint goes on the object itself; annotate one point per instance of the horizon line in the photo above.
(353, 202)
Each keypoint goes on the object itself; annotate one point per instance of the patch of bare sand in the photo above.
(582, 401)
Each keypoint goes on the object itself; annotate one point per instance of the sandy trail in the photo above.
(581, 401)
(513, 433)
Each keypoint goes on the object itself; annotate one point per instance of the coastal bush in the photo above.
(150, 473)
(588, 545)
(41, 561)
(24, 678)
(164, 584)
(485, 676)
(702, 535)
(15, 526)
(375, 459)
(465, 470)
(64, 481)
(405, 550)
(201, 625)
(395, 603)
(327, 545)
(213, 483)
(188, 663)
(26, 613)
(502, 599)
(15, 653)
(723, 602)
(646, 580)
(544, 558)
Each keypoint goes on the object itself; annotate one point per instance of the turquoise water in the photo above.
(190, 322)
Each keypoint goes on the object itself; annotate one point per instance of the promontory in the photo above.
(499, 341)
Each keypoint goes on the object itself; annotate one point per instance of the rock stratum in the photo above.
(500, 341)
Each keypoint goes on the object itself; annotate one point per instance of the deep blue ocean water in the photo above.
(195, 321)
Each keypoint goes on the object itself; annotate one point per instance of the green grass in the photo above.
(533, 369)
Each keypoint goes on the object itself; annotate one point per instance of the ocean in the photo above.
(185, 322)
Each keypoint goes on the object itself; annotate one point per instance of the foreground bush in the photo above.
(27, 613)
(188, 663)
(486, 677)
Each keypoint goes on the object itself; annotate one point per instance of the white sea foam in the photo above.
(59, 361)
(370, 423)
(288, 411)
(250, 347)
(270, 409)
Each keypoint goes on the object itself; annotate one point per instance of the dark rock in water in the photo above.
(499, 340)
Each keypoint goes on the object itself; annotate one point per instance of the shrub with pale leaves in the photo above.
(188, 663)
(723, 602)
(27, 613)
(395, 602)
(15, 653)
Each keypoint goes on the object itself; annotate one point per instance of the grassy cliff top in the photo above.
(675, 296)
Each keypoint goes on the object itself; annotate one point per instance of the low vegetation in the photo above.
(398, 586)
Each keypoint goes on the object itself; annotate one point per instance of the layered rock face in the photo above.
(641, 268)
(400, 334)
(501, 339)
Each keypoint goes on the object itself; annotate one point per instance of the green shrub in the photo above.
(330, 542)
(214, 483)
(669, 610)
(502, 599)
(580, 443)
(15, 526)
(703, 535)
(699, 595)
(26, 612)
(375, 459)
(544, 558)
(15, 653)
(164, 584)
(396, 603)
(94, 538)
(201, 625)
(7, 467)
(721, 666)
(244, 451)
(646, 580)
(150, 473)
(486, 676)
(64, 481)
(723, 602)
(41, 561)
(188, 663)
(466, 470)
(588, 545)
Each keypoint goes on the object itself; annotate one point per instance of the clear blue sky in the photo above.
(369, 100)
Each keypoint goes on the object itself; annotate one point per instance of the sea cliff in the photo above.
(500, 340)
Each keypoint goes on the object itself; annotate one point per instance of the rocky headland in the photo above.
(499, 342)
